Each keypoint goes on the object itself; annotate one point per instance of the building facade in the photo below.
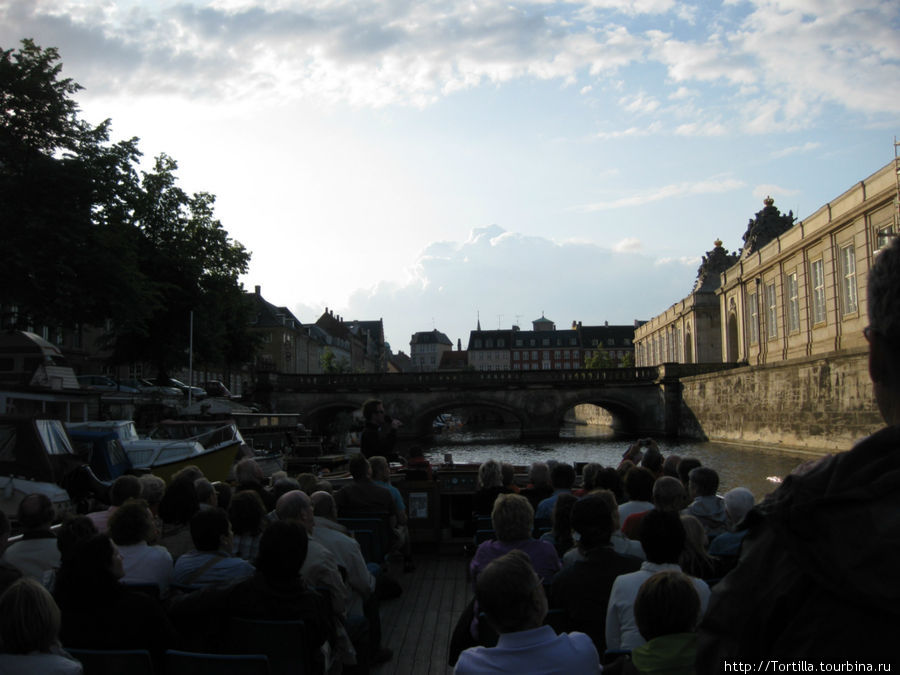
(426, 348)
(796, 290)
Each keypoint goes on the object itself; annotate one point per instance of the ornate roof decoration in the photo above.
(768, 224)
(713, 264)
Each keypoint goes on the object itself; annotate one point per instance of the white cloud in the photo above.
(630, 132)
(709, 186)
(797, 149)
(639, 103)
(628, 245)
(510, 274)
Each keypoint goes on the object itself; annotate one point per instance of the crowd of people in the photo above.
(641, 568)
(170, 566)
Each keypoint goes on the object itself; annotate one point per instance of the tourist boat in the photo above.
(36, 456)
(166, 457)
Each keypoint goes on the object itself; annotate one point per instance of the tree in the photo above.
(332, 364)
(64, 191)
(601, 358)
(88, 240)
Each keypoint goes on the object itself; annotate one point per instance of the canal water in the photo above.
(758, 469)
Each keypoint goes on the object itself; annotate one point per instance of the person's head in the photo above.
(639, 484)
(562, 515)
(29, 618)
(512, 517)
(131, 523)
(323, 505)
(373, 411)
(189, 473)
(282, 551)
(211, 530)
(539, 475)
(247, 513)
(295, 506)
(74, 530)
(883, 331)
(206, 493)
(666, 603)
(609, 479)
(308, 482)
(670, 465)
(124, 488)
(90, 572)
(703, 482)
(248, 472)
(592, 520)
(653, 459)
(490, 474)
(510, 593)
(589, 475)
(695, 539)
(35, 512)
(381, 470)
(738, 503)
(223, 494)
(507, 474)
(685, 466)
(283, 485)
(359, 467)
(662, 536)
(179, 503)
(562, 476)
(152, 489)
(669, 494)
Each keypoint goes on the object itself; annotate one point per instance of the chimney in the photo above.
(258, 290)
(606, 323)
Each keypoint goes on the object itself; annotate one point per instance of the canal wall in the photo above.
(818, 404)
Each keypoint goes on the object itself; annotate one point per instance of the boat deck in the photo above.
(418, 624)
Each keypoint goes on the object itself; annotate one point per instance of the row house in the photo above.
(546, 348)
(426, 349)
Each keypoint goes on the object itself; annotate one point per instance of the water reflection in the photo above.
(737, 465)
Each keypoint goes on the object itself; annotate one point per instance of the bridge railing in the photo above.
(467, 378)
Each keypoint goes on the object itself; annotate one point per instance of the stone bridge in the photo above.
(643, 401)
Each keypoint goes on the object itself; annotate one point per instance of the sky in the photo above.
(433, 163)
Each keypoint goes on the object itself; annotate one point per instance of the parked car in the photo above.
(105, 384)
(196, 392)
(147, 387)
(217, 388)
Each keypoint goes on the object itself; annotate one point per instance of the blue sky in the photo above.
(429, 162)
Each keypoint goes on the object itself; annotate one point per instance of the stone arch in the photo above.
(688, 345)
(731, 330)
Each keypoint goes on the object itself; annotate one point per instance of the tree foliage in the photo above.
(89, 239)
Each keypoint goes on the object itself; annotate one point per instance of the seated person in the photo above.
(560, 534)
(662, 536)
(584, 586)
(123, 488)
(29, 632)
(276, 591)
(539, 487)
(639, 490)
(211, 562)
(8, 573)
(36, 552)
(131, 526)
(727, 546)
(562, 476)
(707, 506)
(513, 600)
(667, 610)
(490, 484)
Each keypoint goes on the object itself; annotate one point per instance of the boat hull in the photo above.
(215, 463)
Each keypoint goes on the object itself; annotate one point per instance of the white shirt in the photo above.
(349, 556)
(621, 628)
(144, 564)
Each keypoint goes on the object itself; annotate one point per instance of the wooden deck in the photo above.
(418, 624)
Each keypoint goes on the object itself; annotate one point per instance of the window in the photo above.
(793, 293)
(501, 342)
(848, 279)
(534, 355)
(545, 342)
(771, 312)
(489, 343)
(515, 356)
(556, 354)
(477, 344)
(518, 342)
(817, 279)
(753, 306)
(883, 235)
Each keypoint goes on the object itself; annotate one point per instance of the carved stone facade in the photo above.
(796, 290)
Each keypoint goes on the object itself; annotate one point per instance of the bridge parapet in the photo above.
(468, 379)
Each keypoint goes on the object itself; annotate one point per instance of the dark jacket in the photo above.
(817, 577)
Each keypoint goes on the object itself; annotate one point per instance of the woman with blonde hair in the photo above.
(29, 632)
(695, 561)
